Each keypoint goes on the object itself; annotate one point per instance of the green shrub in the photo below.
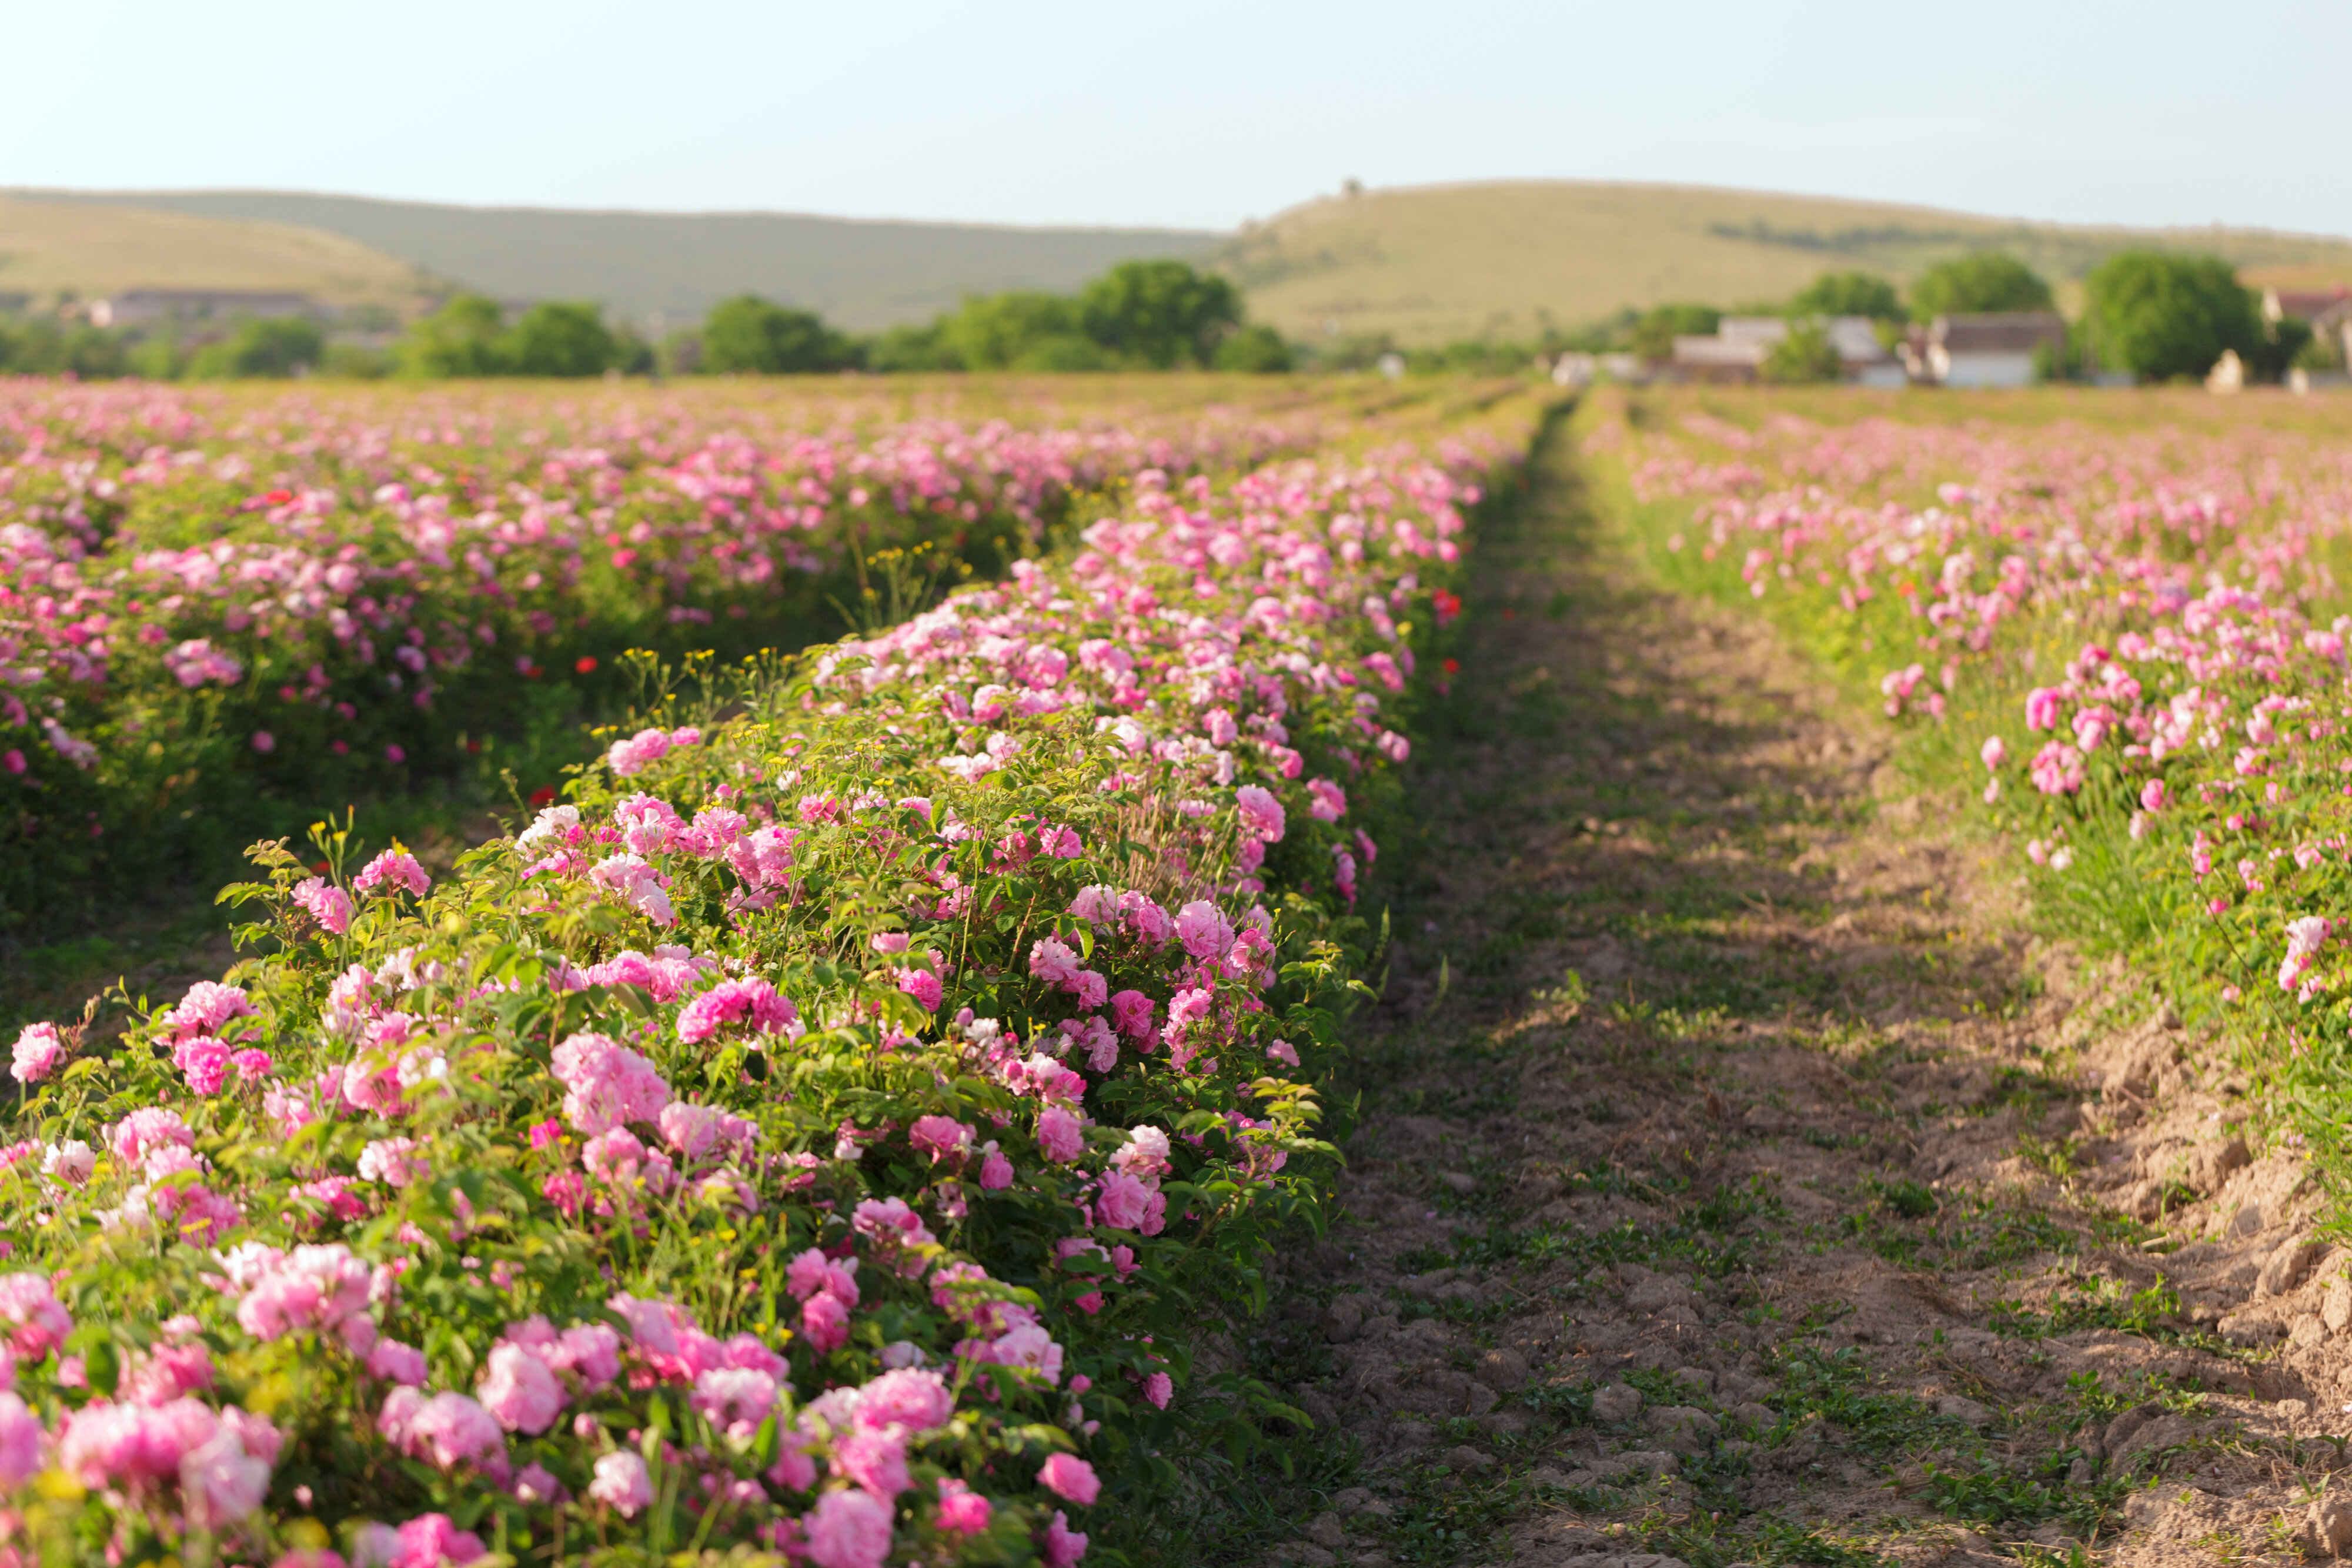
(1982, 281)
(748, 333)
(2162, 316)
(558, 337)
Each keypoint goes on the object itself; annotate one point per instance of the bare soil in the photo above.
(1738, 1179)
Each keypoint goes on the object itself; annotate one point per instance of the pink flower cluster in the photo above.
(1071, 801)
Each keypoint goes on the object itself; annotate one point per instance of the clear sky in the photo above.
(1197, 114)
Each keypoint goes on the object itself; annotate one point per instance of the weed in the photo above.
(1970, 1231)
(1993, 1496)
(2104, 1304)
(1834, 1386)
(1904, 1197)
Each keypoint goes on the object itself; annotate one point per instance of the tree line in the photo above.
(2155, 315)
(1141, 315)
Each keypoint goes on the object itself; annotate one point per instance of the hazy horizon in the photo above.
(129, 195)
(1060, 115)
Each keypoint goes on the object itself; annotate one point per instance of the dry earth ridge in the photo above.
(1737, 1181)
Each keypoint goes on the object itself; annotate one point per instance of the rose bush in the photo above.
(206, 605)
(826, 1133)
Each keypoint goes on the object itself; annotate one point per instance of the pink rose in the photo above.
(1060, 1134)
(848, 1529)
(962, 1509)
(1070, 1478)
(1124, 1201)
(623, 1482)
(519, 1390)
(824, 1322)
(37, 1050)
(1063, 1545)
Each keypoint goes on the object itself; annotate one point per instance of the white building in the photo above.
(137, 306)
(1741, 344)
(1991, 350)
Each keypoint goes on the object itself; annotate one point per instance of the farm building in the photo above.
(138, 307)
(1991, 349)
(1741, 344)
(2287, 304)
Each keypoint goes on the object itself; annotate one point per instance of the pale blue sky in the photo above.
(1198, 114)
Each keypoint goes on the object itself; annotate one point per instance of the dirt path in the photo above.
(1737, 1183)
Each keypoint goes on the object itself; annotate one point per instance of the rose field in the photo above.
(2127, 643)
(223, 613)
(1172, 970)
(818, 1129)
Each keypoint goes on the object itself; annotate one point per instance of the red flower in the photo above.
(586, 663)
(544, 796)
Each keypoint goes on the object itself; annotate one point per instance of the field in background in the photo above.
(475, 534)
(1440, 263)
(95, 251)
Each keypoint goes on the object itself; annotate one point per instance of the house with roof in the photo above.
(139, 306)
(2304, 305)
(1740, 345)
(2328, 312)
(1988, 349)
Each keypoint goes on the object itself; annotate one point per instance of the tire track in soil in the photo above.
(1750, 1188)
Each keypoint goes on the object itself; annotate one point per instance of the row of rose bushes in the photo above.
(2125, 648)
(206, 606)
(829, 1133)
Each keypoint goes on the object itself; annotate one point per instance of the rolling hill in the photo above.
(1424, 263)
(1435, 263)
(48, 247)
(859, 273)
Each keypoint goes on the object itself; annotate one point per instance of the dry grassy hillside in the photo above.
(1436, 262)
(861, 274)
(47, 246)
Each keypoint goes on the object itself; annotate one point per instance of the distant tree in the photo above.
(1257, 349)
(460, 339)
(1356, 352)
(1653, 337)
(747, 333)
(1160, 313)
(356, 361)
(2324, 352)
(2283, 344)
(680, 353)
(1848, 294)
(1806, 354)
(633, 355)
(41, 345)
(280, 345)
(993, 331)
(2161, 315)
(559, 338)
(158, 357)
(912, 348)
(95, 354)
(31, 347)
(1058, 353)
(1985, 281)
